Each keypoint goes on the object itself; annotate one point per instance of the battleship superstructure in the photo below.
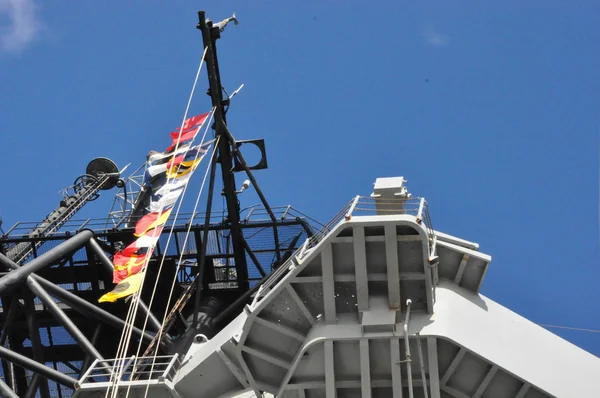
(374, 303)
(379, 304)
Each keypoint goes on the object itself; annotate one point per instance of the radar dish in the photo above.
(101, 166)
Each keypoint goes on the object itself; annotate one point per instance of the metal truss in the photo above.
(49, 317)
(125, 198)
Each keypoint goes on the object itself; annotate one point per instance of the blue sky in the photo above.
(491, 111)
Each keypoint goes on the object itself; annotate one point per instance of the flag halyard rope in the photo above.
(162, 329)
(132, 312)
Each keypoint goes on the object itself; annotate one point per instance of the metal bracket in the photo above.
(262, 163)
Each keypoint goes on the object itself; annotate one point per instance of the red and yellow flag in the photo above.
(127, 265)
(151, 221)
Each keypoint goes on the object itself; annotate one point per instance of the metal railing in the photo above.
(301, 252)
(364, 205)
(87, 191)
(360, 205)
(252, 214)
(133, 369)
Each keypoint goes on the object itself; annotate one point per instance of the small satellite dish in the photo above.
(102, 166)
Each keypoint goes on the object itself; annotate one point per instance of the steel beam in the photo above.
(63, 319)
(289, 332)
(434, 373)
(453, 365)
(78, 303)
(486, 381)
(19, 274)
(37, 367)
(19, 379)
(36, 347)
(372, 277)
(13, 310)
(407, 349)
(524, 390)
(7, 368)
(233, 368)
(365, 369)
(5, 391)
(393, 268)
(87, 308)
(346, 383)
(422, 365)
(254, 259)
(377, 238)
(202, 258)
(209, 38)
(299, 221)
(305, 311)
(35, 382)
(59, 353)
(395, 368)
(328, 284)
(461, 268)
(238, 304)
(71, 366)
(330, 391)
(454, 392)
(88, 359)
(275, 360)
(360, 267)
(242, 161)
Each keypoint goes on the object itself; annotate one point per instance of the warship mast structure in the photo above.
(52, 326)
(374, 303)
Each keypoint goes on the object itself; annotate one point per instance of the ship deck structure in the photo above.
(379, 305)
(264, 300)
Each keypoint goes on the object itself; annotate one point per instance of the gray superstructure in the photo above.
(379, 305)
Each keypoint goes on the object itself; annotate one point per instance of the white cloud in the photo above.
(18, 24)
(435, 38)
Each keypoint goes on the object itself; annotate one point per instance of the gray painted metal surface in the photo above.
(333, 321)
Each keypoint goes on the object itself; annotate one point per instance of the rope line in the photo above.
(133, 308)
(182, 251)
(163, 260)
(163, 257)
(569, 328)
(137, 297)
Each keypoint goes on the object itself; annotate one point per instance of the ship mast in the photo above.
(77, 254)
(230, 160)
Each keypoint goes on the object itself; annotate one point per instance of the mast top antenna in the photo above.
(220, 25)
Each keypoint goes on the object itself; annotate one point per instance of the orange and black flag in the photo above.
(126, 287)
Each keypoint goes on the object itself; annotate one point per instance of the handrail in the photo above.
(359, 204)
(420, 212)
(99, 225)
(352, 207)
(413, 206)
(163, 368)
(20, 252)
(300, 253)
